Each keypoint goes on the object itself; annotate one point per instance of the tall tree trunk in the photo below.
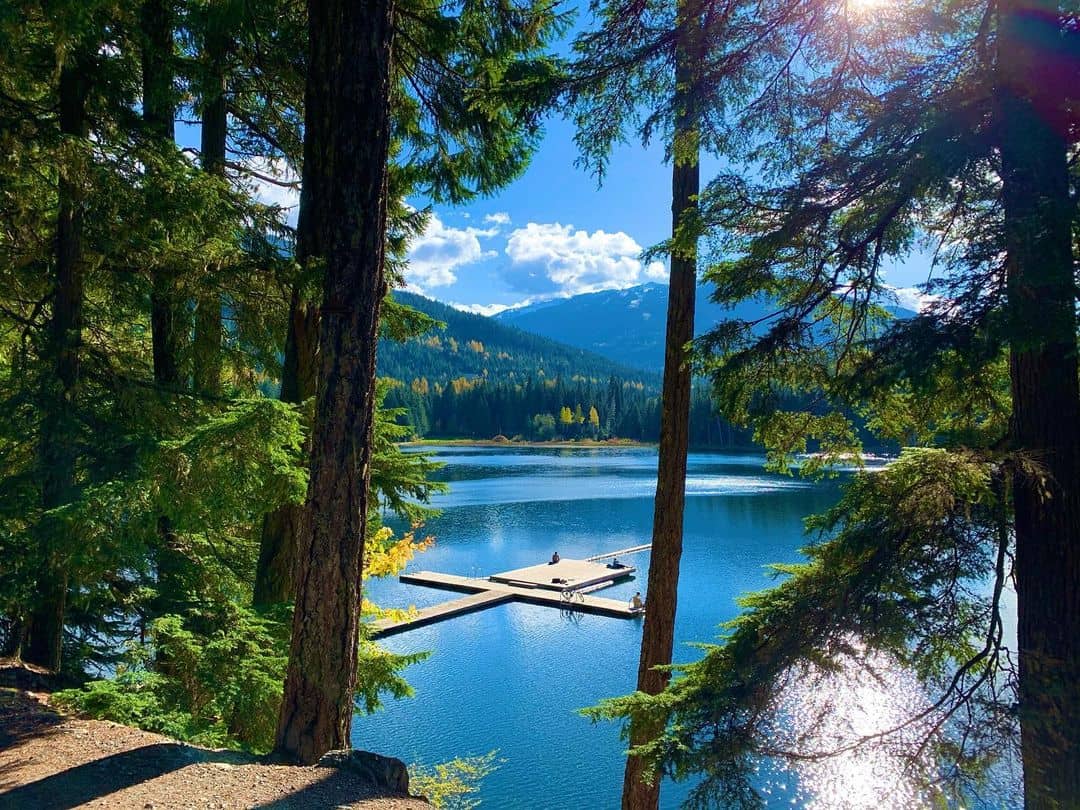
(206, 351)
(168, 326)
(59, 430)
(658, 633)
(347, 137)
(275, 573)
(1046, 415)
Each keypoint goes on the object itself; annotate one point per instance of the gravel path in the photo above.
(48, 760)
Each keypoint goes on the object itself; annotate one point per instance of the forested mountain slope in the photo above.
(479, 378)
(473, 346)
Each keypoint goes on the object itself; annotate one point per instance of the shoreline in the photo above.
(613, 444)
(590, 443)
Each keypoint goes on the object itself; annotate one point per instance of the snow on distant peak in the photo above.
(489, 310)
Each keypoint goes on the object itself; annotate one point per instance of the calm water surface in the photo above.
(512, 677)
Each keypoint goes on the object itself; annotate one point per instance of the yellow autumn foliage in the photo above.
(385, 556)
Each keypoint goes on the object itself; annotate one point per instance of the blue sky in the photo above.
(553, 232)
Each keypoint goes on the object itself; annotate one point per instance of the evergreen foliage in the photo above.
(144, 301)
(859, 137)
(546, 409)
(472, 346)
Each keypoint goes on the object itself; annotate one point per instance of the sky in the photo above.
(552, 233)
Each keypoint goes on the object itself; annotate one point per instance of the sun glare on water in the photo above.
(830, 711)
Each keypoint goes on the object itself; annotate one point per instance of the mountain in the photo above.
(626, 326)
(473, 346)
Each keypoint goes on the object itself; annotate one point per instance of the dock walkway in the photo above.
(533, 585)
(436, 613)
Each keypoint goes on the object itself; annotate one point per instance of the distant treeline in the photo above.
(543, 409)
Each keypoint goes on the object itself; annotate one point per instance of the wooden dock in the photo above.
(564, 575)
(436, 613)
(614, 554)
(532, 585)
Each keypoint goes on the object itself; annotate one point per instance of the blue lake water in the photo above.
(513, 677)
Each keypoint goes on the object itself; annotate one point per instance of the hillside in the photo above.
(626, 326)
(473, 346)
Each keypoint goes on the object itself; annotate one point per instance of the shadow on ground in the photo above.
(101, 777)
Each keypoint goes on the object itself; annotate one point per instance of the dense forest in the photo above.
(474, 377)
(150, 304)
(544, 409)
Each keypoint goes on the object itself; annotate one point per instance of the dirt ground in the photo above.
(51, 761)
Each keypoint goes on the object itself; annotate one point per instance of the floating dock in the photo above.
(563, 575)
(566, 584)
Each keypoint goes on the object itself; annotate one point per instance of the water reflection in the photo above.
(854, 726)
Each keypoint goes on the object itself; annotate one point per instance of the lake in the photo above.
(513, 677)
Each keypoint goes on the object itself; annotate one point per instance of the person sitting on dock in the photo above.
(635, 602)
(615, 564)
(554, 558)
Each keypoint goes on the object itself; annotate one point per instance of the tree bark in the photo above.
(658, 633)
(1046, 417)
(168, 326)
(206, 351)
(347, 136)
(59, 431)
(159, 112)
(275, 574)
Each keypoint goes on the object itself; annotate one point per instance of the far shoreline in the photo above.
(616, 444)
(564, 443)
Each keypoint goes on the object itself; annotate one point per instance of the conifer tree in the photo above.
(346, 153)
(59, 428)
(469, 85)
(605, 105)
(954, 122)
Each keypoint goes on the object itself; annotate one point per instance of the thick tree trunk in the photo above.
(1046, 418)
(206, 349)
(662, 592)
(275, 574)
(347, 136)
(59, 430)
(168, 324)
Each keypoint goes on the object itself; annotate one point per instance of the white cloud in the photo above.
(551, 259)
(656, 271)
(440, 250)
(498, 218)
(912, 298)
